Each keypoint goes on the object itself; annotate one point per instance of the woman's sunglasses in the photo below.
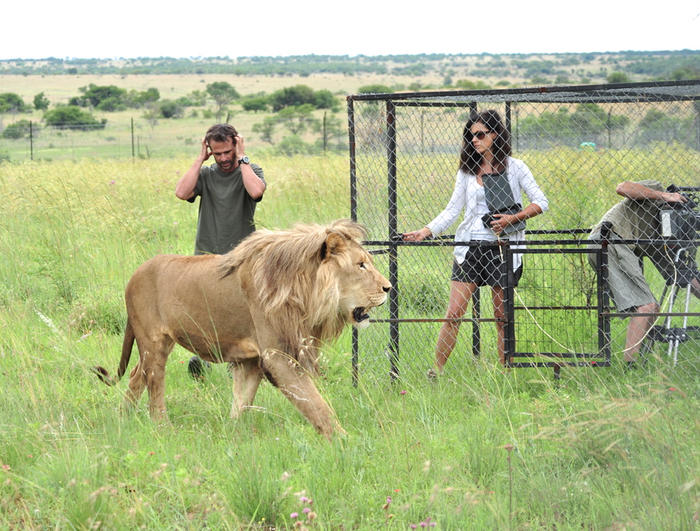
(480, 134)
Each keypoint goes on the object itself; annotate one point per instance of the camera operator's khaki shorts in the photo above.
(628, 287)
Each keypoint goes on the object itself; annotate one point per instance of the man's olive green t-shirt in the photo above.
(226, 211)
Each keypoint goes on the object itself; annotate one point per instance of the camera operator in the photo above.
(637, 217)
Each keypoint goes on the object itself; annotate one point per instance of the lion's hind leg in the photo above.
(246, 379)
(149, 374)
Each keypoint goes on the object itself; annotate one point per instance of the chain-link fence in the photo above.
(425, 176)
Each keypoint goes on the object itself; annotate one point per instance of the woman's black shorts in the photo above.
(483, 266)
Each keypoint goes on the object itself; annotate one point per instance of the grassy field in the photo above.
(482, 448)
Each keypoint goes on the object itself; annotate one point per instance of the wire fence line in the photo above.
(580, 143)
(30, 140)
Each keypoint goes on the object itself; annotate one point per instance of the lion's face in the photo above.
(361, 286)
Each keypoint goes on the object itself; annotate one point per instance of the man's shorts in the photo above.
(628, 287)
(483, 266)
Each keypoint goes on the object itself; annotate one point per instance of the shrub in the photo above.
(294, 145)
(72, 117)
(17, 130)
(11, 102)
(255, 103)
(170, 109)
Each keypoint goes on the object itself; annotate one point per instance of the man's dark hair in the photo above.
(469, 158)
(221, 133)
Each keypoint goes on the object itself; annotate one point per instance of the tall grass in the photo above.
(482, 448)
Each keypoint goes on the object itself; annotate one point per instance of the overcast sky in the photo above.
(154, 28)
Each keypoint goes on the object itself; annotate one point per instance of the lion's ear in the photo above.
(334, 244)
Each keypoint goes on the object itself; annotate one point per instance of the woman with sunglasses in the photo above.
(485, 155)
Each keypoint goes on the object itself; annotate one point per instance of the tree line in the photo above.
(639, 66)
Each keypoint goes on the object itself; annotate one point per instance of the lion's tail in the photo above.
(127, 345)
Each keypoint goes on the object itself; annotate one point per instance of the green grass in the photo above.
(482, 448)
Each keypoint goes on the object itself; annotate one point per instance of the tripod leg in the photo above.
(684, 329)
(672, 339)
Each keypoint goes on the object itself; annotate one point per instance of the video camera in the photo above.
(681, 221)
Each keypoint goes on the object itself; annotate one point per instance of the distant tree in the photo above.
(266, 128)
(11, 102)
(41, 102)
(590, 119)
(331, 128)
(468, 84)
(686, 72)
(297, 118)
(111, 104)
(656, 126)
(292, 97)
(170, 109)
(588, 122)
(294, 145)
(78, 101)
(152, 114)
(95, 94)
(16, 130)
(324, 99)
(374, 89)
(222, 93)
(255, 103)
(618, 77)
(198, 98)
(141, 98)
(72, 117)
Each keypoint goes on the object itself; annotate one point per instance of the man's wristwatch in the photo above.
(244, 160)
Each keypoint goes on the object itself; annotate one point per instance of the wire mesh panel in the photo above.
(413, 159)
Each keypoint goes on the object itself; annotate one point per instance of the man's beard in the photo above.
(226, 166)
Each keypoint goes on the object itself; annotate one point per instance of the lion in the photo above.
(264, 307)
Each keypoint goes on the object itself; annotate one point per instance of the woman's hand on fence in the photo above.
(417, 235)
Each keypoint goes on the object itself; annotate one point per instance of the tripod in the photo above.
(666, 333)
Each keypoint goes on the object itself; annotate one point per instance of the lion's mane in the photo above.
(287, 276)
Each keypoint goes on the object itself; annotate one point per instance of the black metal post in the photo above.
(393, 238)
(603, 295)
(509, 122)
(476, 315)
(509, 304)
(353, 216)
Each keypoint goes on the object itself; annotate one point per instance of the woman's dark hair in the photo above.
(221, 133)
(469, 158)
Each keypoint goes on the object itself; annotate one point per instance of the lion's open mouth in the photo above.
(359, 314)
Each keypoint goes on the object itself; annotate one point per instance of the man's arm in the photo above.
(254, 185)
(185, 186)
(632, 190)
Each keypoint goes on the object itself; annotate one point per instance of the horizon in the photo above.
(341, 55)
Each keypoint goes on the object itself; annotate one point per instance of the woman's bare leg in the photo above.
(460, 293)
